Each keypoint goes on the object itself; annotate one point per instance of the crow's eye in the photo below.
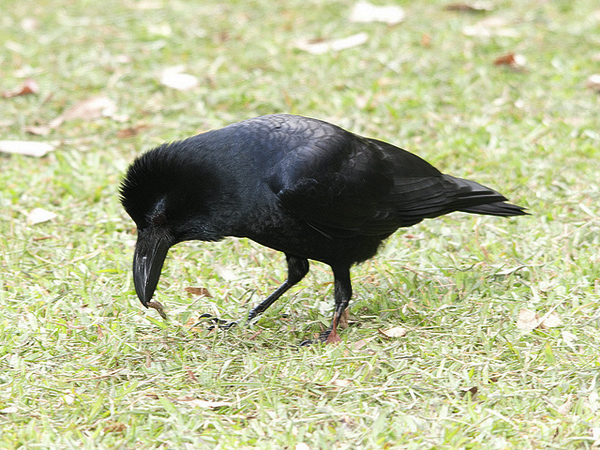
(159, 219)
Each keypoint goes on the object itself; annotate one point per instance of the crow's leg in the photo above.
(342, 294)
(297, 268)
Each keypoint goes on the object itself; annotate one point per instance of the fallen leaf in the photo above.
(131, 131)
(491, 26)
(203, 403)
(39, 215)
(513, 60)
(550, 321)
(27, 148)
(29, 86)
(566, 406)
(9, 410)
(529, 320)
(190, 325)
(29, 24)
(89, 109)
(174, 78)
(470, 7)
(395, 332)
(320, 46)
(470, 391)
(301, 446)
(367, 12)
(38, 130)
(114, 427)
(595, 431)
(197, 291)
(341, 383)
(593, 82)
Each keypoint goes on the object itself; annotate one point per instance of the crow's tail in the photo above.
(478, 199)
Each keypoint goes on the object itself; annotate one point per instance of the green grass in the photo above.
(83, 365)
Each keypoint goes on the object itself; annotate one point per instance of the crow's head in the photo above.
(172, 195)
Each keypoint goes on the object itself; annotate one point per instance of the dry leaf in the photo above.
(39, 215)
(190, 325)
(470, 7)
(341, 383)
(550, 321)
(513, 60)
(320, 46)
(566, 406)
(197, 291)
(366, 12)
(29, 86)
(301, 446)
(203, 403)
(114, 427)
(492, 26)
(89, 109)
(174, 78)
(529, 320)
(593, 82)
(38, 130)
(131, 131)
(27, 148)
(9, 410)
(395, 332)
(29, 24)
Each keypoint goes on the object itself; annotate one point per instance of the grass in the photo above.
(82, 365)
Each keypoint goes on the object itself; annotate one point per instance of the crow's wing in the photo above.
(345, 185)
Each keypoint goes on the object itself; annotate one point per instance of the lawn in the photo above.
(84, 365)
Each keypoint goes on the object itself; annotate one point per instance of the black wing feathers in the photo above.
(353, 186)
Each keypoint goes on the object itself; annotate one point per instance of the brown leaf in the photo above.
(197, 291)
(513, 60)
(190, 325)
(470, 7)
(27, 148)
(395, 332)
(114, 427)
(131, 131)
(366, 12)
(90, 109)
(29, 86)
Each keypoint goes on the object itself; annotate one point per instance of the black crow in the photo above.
(298, 185)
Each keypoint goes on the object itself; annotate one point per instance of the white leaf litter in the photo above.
(530, 320)
(39, 215)
(366, 12)
(88, 109)
(593, 82)
(318, 47)
(27, 148)
(174, 78)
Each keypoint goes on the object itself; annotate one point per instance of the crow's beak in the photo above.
(150, 253)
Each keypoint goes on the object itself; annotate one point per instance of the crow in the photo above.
(305, 187)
